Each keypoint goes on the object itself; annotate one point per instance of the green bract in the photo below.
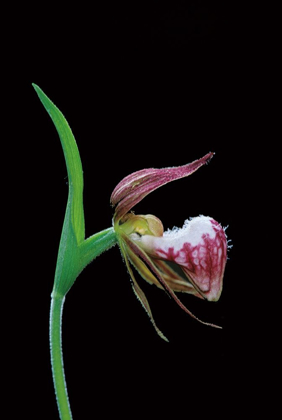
(74, 251)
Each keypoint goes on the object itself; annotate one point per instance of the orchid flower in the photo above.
(199, 248)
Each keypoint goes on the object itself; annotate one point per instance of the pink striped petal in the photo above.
(133, 188)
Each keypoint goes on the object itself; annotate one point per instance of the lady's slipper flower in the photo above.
(199, 248)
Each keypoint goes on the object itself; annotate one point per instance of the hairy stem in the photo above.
(57, 363)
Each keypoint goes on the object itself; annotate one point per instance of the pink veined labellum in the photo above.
(199, 249)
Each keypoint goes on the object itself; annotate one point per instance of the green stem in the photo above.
(56, 311)
(93, 246)
(86, 252)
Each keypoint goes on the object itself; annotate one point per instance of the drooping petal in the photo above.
(138, 291)
(199, 248)
(137, 250)
(133, 188)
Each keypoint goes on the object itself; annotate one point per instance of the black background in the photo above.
(150, 85)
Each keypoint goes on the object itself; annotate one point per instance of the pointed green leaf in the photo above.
(73, 163)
